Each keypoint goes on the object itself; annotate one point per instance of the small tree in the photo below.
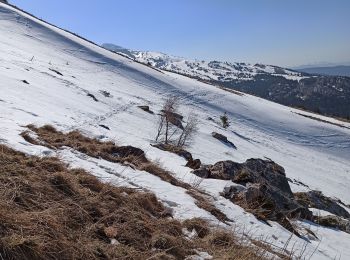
(224, 120)
(170, 129)
(189, 131)
(167, 117)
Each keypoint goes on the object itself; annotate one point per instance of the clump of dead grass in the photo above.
(48, 211)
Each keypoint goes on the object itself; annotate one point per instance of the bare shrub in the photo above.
(190, 130)
(169, 119)
(169, 125)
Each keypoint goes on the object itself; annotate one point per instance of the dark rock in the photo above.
(194, 164)
(334, 222)
(220, 137)
(173, 114)
(92, 96)
(105, 127)
(253, 171)
(202, 172)
(25, 82)
(223, 139)
(264, 190)
(191, 163)
(176, 122)
(174, 118)
(105, 93)
(185, 154)
(176, 150)
(146, 109)
(315, 199)
(125, 151)
(56, 71)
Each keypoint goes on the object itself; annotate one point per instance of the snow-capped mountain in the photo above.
(51, 76)
(327, 95)
(206, 70)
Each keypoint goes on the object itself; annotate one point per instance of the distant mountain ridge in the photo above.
(205, 70)
(327, 95)
(341, 70)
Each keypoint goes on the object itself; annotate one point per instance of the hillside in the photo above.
(68, 98)
(326, 95)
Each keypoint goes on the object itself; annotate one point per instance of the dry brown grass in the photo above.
(203, 202)
(49, 136)
(48, 211)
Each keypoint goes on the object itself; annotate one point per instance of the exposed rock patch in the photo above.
(93, 97)
(223, 139)
(105, 127)
(105, 93)
(315, 199)
(264, 189)
(194, 164)
(146, 109)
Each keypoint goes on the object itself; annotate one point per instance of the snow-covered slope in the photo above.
(205, 70)
(62, 69)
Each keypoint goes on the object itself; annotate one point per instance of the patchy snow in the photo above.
(320, 212)
(313, 152)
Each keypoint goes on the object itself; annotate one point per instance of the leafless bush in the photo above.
(169, 119)
(170, 124)
(189, 131)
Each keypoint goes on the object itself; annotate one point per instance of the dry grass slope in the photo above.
(48, 211)
(52, 138)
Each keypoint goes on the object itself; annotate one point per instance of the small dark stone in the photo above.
(202, 172)
(25, 82)
(93, 97)
(105, 127)
(105, 93)
(146, 109)
(194, 164)
(56, 71)
(223, 139)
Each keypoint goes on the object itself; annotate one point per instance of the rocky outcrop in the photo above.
(315, 199)
(263, 189)
(252, 171)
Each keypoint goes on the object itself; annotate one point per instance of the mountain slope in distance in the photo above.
(341, 70)
(326, 95)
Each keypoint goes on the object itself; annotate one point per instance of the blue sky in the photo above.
(281, 32)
